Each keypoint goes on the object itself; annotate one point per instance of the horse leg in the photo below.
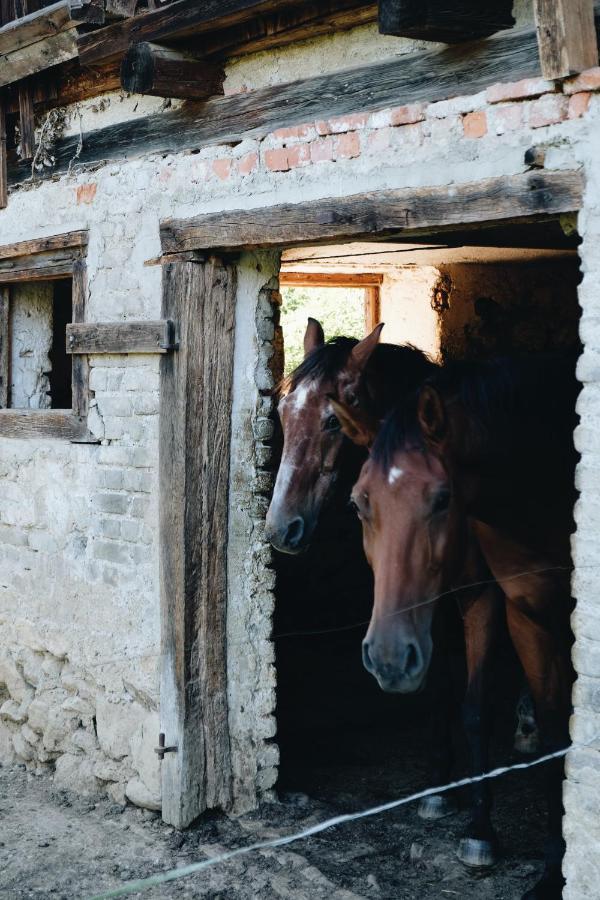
(527, 733)
(549, 677)
(441, 757)
(481, 616)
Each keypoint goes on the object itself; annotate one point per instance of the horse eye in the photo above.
(332, 423)
(441, 501)
(354, 506)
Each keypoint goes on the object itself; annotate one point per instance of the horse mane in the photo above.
(321, 363)
(511, 403)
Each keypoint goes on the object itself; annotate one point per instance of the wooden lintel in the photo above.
(424, 76)
(161, 72)
(120, 337)
(69, 239)
(566, 36)
(44, 423)
(187, 256)
(330, 279)
(380, 213)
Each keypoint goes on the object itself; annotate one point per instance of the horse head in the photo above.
(414, 536)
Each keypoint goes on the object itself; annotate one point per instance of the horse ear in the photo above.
(314, 336)
(362, 351)
(352, 427)
(431, 414)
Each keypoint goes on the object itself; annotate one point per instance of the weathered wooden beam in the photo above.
(380, 213)
(26, 119)
(175, 20)
(4, 346)
(194, 452)
(450, 21)
(162, 72)
(566, 35)
(309, 20)
(120, 337)
(75, 240)
(80, 371)
(36, 57)
(424, 76)
(35, 27)
(372, 308)
(43, 423)
(330, 279)
(3, 156)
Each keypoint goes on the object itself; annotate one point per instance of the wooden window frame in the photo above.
(46, 259)
(370, 282)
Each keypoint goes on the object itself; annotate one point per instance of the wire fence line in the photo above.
(143, 884)
(353, 625)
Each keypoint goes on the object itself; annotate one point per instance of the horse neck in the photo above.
(392, 372)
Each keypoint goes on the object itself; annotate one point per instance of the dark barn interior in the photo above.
(343, 741)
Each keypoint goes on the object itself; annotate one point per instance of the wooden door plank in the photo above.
(566, 36)
(80, 373)
(379, 213)
(119, 337)
(3, 157)
(194, 442)
(26, 119)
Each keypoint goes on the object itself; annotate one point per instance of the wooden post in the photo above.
(3, 156)
(194, 446)
(80, 364)
(566, 36)
(26, 119)
(372, 308)
(4, 345)
(161, 72)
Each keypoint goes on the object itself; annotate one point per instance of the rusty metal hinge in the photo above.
(161, 749)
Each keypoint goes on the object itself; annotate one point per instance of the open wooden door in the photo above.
(195, 428)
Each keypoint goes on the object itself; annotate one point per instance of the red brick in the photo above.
(86, 192)
(508, 118)
(548, 110)
(322, 127)
(407, 115)
(341, 124)
(379, 140)
(578, 104)
(222, 168)
(519, 90)
(248, 163)
(586, 81)
(321, 150)
(298, 155)
(347, 146)
(277, 160)
(475, 124)
(297, 132)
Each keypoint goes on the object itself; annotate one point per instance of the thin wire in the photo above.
(412, 249)
(174, 874)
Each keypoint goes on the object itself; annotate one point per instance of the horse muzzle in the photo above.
(404, 673)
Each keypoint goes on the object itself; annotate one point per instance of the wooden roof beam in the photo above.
(567, 38)
(160, 72)
(448, 21)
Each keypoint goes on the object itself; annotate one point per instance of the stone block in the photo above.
(115, 723)
(10, 676)
(7, 750)
(76, 773)
(22, 748)
(137, 792)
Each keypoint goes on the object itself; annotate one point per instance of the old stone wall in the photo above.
(79, 603)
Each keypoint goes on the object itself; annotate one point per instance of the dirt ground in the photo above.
(57, 845)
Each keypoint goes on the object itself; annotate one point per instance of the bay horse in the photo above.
(348, 387)
(484, 448)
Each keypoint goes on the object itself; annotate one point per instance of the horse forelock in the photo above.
(322, 364)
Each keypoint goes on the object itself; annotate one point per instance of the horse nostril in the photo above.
(412, 660)
(366, 656)
(294, 532)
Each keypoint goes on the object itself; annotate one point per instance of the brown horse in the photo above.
(354, 385)
(491, 445)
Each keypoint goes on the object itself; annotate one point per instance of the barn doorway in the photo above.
(457, 295)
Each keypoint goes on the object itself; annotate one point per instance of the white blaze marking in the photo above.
(395, 474)
(300, 396)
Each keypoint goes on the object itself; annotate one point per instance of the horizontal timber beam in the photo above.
(45, 423)
(120, 337)
(380, 213)
(330, 279)
(172, 21)
(67, 240)
(161, 72)
(417, 77)
(35, 27)
(450, 21)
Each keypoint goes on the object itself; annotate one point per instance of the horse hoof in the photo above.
(477, 854)
(527, 744)
(435, 807)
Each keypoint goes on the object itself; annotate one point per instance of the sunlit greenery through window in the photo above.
(339, 310)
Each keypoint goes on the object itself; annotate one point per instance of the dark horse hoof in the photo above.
(435, 807)
(549, 887)
(477, 854)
